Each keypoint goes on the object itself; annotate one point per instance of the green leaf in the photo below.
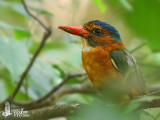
(145, 20)
(126, 4)
(21, 33)
(62, 72)
(42, 11)
(147, 98)
(5, 25)
(149, 115)
(3, 91)
(7, 79)
(43, 77)
(31, 94)
(134, 104)
(101, 5)
(69, 58)
(143, 17)
(13, 55)
(17, 7)
(46, 13)
(73, 81)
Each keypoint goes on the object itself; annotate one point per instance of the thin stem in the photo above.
(45, 37)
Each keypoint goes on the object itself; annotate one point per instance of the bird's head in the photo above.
(94, 33)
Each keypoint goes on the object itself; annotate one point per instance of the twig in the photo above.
(34, 17)
(26, 89)
(144, 103)
(151, 104)
(70, 109)
(65, 90)
(45, 37)
(61, 84)
(46, 113)
(56, 91)
(138, 47)
(79, 88)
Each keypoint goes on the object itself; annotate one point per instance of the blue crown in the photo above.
(112, 30)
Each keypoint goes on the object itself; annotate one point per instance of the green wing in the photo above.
(126, 65)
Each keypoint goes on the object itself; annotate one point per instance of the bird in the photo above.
(108, 64)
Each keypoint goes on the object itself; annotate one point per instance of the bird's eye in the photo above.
(97, 32)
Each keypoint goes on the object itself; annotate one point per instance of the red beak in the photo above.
(75, 30)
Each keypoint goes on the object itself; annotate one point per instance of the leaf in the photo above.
(46, 13)
(147, 98)
(73, 81)
(17, 7)
(68, 55)
(68, 62)
(149, 115)
(31, 94)
(13, 55)
(5, 25)
(42, 11)
(21, 33)
(134, 104)
(126, 4)
(43, 77)
(101, 5)
(62, 72)
(143, 17)
(145, 20)
(3, 90)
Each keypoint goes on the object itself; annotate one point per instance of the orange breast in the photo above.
(98, 65)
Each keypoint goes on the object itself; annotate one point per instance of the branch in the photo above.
(45, 37)
(65, 90)
(68, 109)
(81, 88)
(64, 110)
(149, 104)
(34, 17)
(61, 110)
(155, 103)
(48, 112)
(151, 100)
(44, 101)
(60, 85)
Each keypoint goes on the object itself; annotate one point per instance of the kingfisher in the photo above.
(109, 66)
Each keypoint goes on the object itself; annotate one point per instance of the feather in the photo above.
(127, 66)
(114, 64)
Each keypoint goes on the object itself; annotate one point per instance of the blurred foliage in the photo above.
(19, 41)
(15, 56)
(9, 49)
(142, 16)
(42, 11)
(101, 5)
